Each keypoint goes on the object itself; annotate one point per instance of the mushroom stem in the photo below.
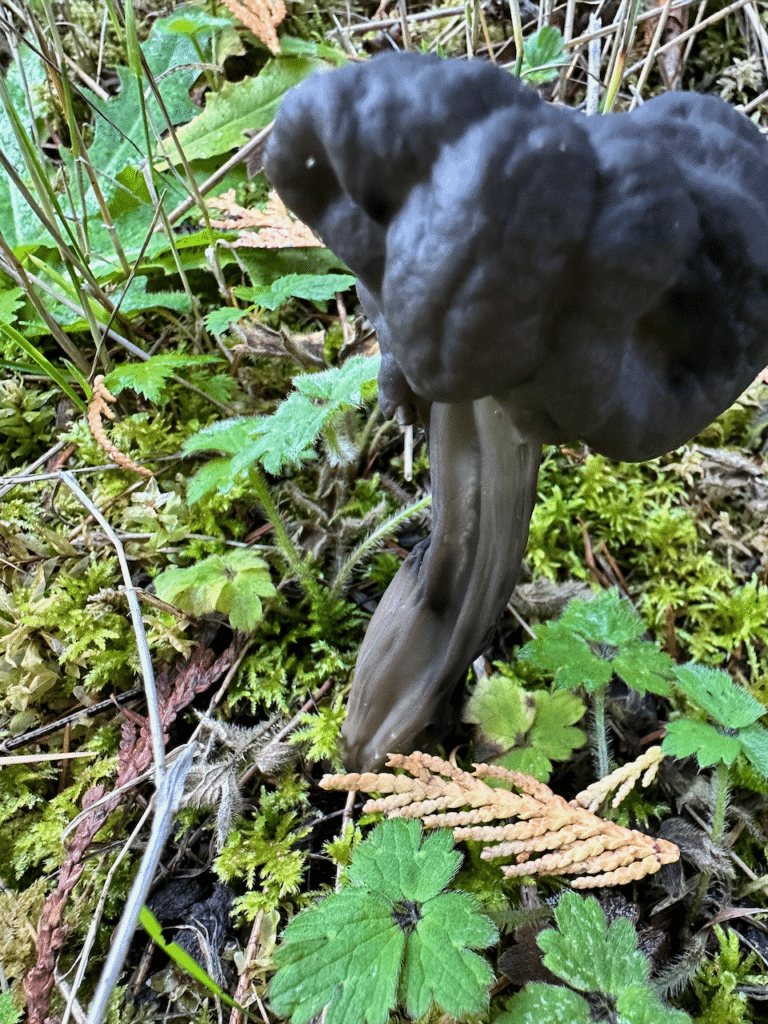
(440, 610)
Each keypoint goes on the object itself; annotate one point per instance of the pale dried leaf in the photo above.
(261, 17)
(270, 228)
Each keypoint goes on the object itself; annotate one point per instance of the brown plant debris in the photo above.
(544, 833)
(274, 226)
(198, 673)
(261, 17)
(100, 406)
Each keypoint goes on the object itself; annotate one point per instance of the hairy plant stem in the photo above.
(722, 790)
(284, 543)
(600, 740)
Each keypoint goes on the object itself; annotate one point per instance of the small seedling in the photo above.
(391, 936)
(602, 962)
(527, 729)
(590, 642)
(232, 584)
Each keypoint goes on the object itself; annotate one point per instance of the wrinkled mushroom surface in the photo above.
(534, 276)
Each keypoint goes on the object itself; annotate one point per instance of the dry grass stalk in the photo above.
(275, 228)
(599, 852)
(644, 768)
(100, 406)
(261, 17)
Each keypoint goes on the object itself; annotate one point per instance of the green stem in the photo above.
(284, 543)
(599, 737)
(387, 526)
(517, 32)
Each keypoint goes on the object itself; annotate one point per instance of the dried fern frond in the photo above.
(544, 833)
(270, 228)
(261, 17)
(622, 780)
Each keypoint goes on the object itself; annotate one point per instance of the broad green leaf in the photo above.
(326, 960)
(119, 138)
(191, 21)
(313, 287)
(150, 377)
(439, 965)
(543, 55)
(136, 298)
(714, 691)
(528, 729)
(639, 1004)
(240, 107)
(644, 667)
(20, 225)
(685, 737)
(607, 619)
(401, 863)
(546, 1004)
(754, 741)
(567, 657)
(376, 942)
(232, 584)
(587, 954)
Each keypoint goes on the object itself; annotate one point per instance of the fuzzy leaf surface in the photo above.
(589, 955)
(392, 935)
(551, 1003)
(313, 287)
(594, 639)
(714, 691)
(150, 377)
(685, 737)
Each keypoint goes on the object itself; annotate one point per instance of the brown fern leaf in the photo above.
(545, 834)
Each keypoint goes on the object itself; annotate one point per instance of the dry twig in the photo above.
(100, 406)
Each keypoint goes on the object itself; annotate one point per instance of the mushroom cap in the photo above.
(605, 278)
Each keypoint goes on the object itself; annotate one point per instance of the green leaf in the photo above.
(644, 667)
(594, 639)
(588, 955)
(220, 320)
(119, 134)
(240, 107)
(313, 287)
(685, 737)
(326, 957)
(543, 55)
(639, 1004)
(754, 742)
(714, 691)
(289, 434)
(391, 935)
(528, 729)
(438, 965)
(191, 21)
(182, 958)
(150, 377)
(399, 863)
(597, 960)
(553, 1004)
(8, 1012)
(232, 584)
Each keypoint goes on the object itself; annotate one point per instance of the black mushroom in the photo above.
(535, 276)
